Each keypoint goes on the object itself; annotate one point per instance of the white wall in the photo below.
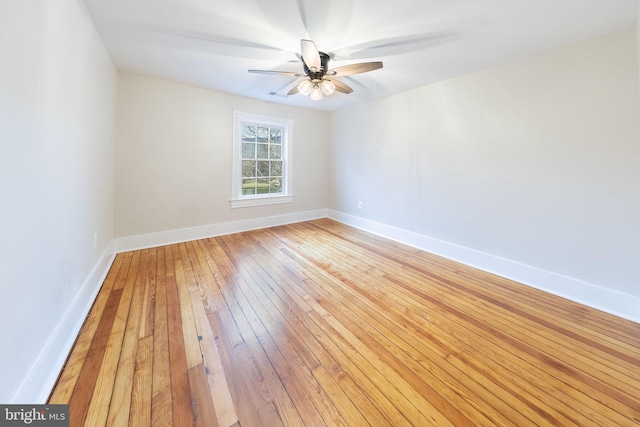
(536, 162)
(174, 157)
(57, 113)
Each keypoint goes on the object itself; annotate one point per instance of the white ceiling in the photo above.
(212, 43)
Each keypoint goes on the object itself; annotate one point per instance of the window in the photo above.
(261, 160)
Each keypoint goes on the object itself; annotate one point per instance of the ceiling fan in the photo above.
(316, 82)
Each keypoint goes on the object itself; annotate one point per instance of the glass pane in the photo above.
(248, 151)
(275, 152)
(263, 168)
(263, 134)
(276, 168)
(262, 186)
(248, 168)
(275, 185)
(263, 151)
(276, 136)
(248, 133)
(262, 159)
(249, 186)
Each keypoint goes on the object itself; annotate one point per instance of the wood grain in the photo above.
(140, 411)
(203, 411)
(161, 404)
(318, 323)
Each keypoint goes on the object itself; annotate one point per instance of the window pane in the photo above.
(263, 168)
(276, 168)
(275, 185)
(276, 136)
(262, 186)
(263, 151)
(263, 134)
(248, 133)
(248, 151)
(249, 186)
(248, 168)
(275, 151)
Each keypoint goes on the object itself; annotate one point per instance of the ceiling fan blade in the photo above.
(348, 70)
(310, 54)
(293, 91)
(393, 45)
(341, 87)
(203, 41)
(281, 73)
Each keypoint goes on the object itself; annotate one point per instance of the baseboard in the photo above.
(43, 375)
(604, 299)
(124, 244)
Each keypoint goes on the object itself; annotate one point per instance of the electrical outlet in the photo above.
(359, 205)
(95, 239)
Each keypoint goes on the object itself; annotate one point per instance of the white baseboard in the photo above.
(43, 375)
(143, 241)
(608, 300)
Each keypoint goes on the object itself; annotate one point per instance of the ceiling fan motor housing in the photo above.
(324, 66)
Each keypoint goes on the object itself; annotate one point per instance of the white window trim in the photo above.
(238, 200)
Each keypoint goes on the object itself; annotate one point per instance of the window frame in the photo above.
(239, 200)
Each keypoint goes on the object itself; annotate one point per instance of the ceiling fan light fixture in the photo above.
(315, 65)
(316, 92)
(305, 87)
(327, 87)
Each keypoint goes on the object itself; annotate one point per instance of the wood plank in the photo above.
(148, 303)
(238, 377)
(83, 392)
(180, 392)
(220, 393)
(269, 416)
(161, 404)
(189, 332)
(208, 283)
(103, 391)
(123, 386)
(350, 415)
(204, 412)
(140, 411)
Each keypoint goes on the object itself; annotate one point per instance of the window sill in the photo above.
(260, 201)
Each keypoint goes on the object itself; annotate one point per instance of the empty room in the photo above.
(303, 213)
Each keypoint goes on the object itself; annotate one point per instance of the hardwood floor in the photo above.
(317, 323)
